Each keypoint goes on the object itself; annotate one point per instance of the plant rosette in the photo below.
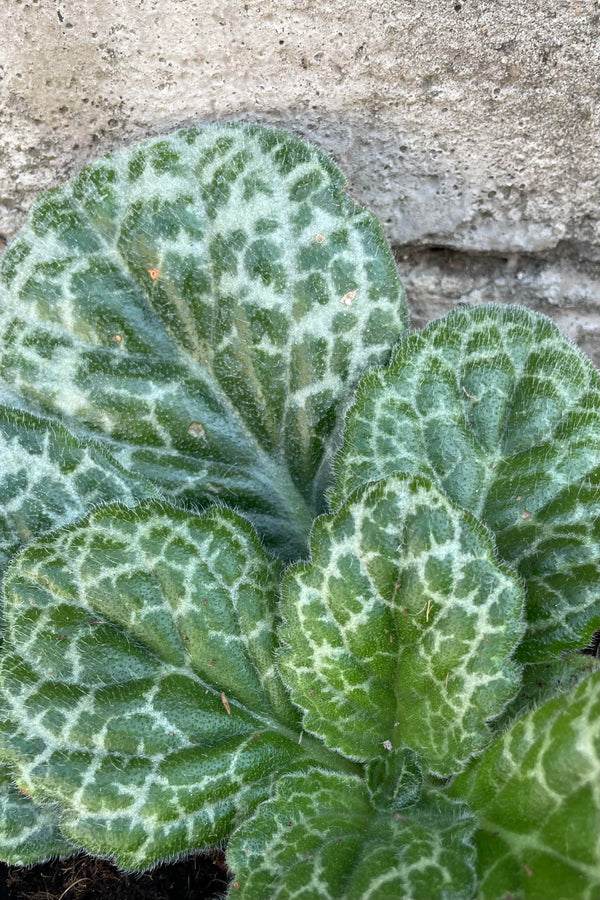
(277, 572)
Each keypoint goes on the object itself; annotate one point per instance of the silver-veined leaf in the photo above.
(542, 681)
(203, 304)
(536, 791)
(29, 833)
(399, 631)
(503, 412)
(138, 679)
(49, 478)
(319, 837)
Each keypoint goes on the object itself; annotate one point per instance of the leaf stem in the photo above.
(329, 759)
(294, 511)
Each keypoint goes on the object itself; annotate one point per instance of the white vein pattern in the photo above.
(503, 413)
(49, 478)
(197, 278)
(125, 636)
(536, 791)
(319, 837)
(29, 833)
(400, 630)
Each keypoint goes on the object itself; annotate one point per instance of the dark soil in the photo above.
(199, 877)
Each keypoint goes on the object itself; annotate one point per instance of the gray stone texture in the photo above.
(467, 125)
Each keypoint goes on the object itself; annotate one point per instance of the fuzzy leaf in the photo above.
(542, 681)
(29, 833)
(48, 479)
(319, 837)
(399, 631)
(203, 304)
(537, 793)
(139, 683)
(503, 412)
(394, 780)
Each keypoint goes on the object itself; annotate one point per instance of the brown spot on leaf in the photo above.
(470, 396)
(348, 298)
(154, 274)
(196, 429)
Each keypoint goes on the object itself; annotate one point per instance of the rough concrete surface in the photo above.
(464, 124)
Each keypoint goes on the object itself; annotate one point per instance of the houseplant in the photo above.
(278, 572)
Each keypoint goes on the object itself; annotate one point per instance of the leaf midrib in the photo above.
(267, 463)
(331, 759)
(527, 841)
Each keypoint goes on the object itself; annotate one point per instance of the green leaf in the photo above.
(48, 479)
(203, 304)
(139, 680)
(399, 631)
(394, 781)
(503, 413)
(542, 681)
(29, 833)
(537, 793)
(319, 837)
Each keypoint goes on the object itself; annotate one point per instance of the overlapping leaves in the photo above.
(138, 679)
(537, 795)
(321, 837)
(401, 628)
(188, 321)
(503, 412)
(203, 305)
(49, 478)
(139, 672)
(543, 681)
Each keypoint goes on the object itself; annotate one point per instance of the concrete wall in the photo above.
(468, 125)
